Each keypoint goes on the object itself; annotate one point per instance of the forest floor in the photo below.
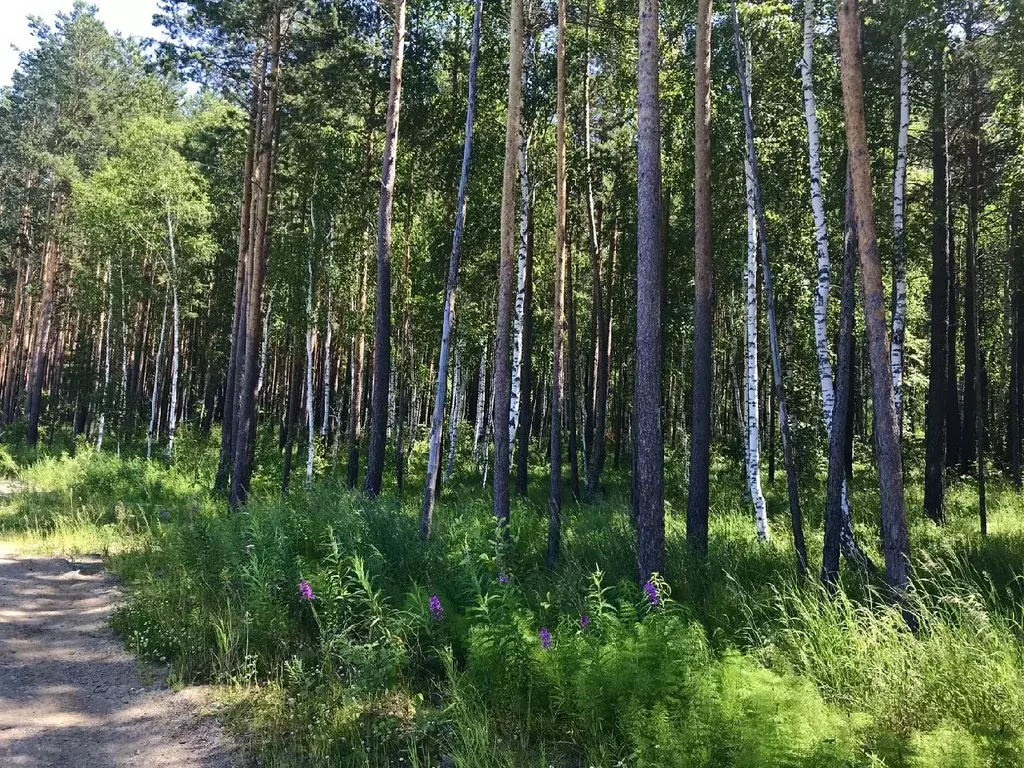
(69, 694)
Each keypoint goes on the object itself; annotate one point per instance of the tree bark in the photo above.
(895, 539)
(796, 519)
(648, 505)
(700, 447)
(448, 312)
(382, 330)
(558, 315)
(502, 384)
(37, 370)
(244, 423)
(355, 406)
(899, 256)
(526, 404)
(935, 437)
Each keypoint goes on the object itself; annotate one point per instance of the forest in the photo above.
(535, 382)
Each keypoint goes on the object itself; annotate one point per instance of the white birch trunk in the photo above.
(123, 407)
(753, 452)
(265, 344)
(106, 361)
(899, 257)
(310, 448)
(172, 410)
(156, 383)
(820, 235)
(327, 362)
(481, 393)
(453, 420)
(517, 322)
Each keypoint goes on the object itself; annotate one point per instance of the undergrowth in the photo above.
(464, 650)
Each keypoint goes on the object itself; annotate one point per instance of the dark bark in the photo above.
(1016, 338)
(953, 415)
(934, 503)
(840, 419)
(700, 452)
(648, 504)
(51, 258)
(382, 328)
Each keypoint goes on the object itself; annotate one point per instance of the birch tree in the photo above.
(899, 255)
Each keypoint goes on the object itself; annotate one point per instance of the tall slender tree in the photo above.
(895, 538)
(700, 447)
(382, 328)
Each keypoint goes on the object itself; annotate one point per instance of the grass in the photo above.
(739, 664)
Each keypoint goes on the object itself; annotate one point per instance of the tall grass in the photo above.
(739, 664)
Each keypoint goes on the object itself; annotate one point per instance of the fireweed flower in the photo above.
(436, 609)
(652, 594)
(545, 638)
(306, 591)
(584, 622)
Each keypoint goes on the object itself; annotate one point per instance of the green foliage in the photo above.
(736, 666)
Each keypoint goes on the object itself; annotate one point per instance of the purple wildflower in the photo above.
(436, 609)
(545, 638)
(503, 578)
(306, 591)
(584, 622)
(652, 594)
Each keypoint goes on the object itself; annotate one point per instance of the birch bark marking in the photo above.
(502, 384)
(769, 294)
(820, 233)
(899, 255)
(310, 321)
(172, 408)
(156, 383)
(104, 392)
(517, 321)
(448, 312)
(753, 453)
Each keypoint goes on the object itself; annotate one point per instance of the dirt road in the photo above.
(69, 694)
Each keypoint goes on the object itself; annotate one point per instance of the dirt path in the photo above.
(69, 694)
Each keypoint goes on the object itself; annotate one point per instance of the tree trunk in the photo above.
(818, 208)
(105, 321)
(453, 419)
(840, 416)
(526, 404)
(769, 295)
(753, 452)
(51, 258)
(700, 447)
(151, 431)
(895, 540)
(310, 416)
(481, 406)
(648, 505)
(1016, 337)
(172, 409)
(448, 312)
(241, 279)
(899, 256)
(355, 405)
(558, 315)
(570, 385)
(935, 438)
(244, 423)
(382, 329)
(502, 384)
(520, 308)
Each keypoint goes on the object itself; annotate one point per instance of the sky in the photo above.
(130, 17)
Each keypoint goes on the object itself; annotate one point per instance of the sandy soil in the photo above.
(69, 694)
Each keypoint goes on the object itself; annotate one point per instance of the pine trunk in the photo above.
(382, 330)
